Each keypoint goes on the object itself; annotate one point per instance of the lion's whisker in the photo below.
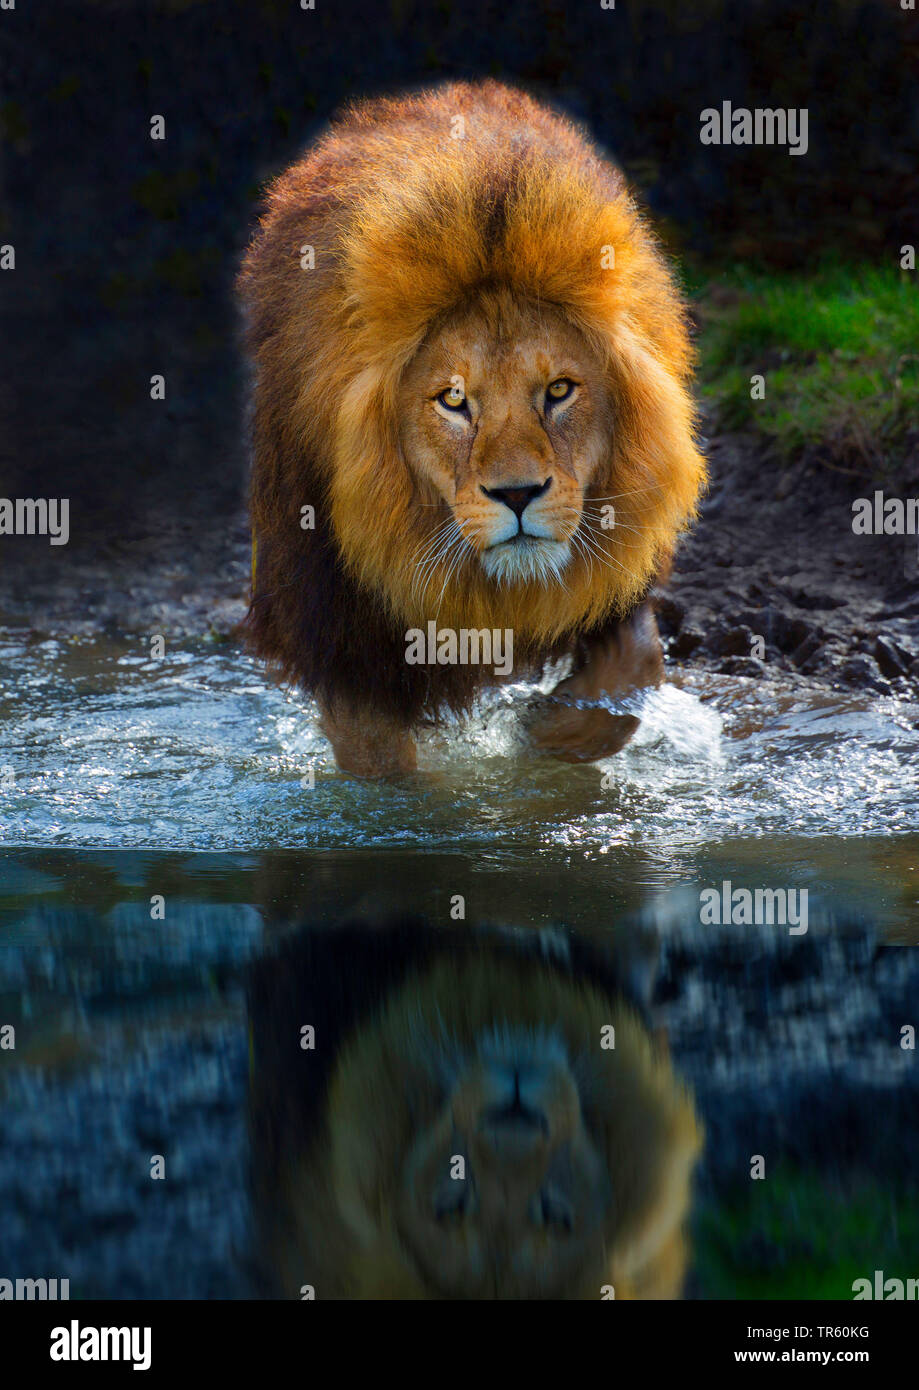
(617, 524)
(432, 566)
(592, 541)
(455, 562)
(619, 527)
(433, 539)
(435, 549)
(591, 549)
(582, 550)
(621, 545)
(585, 507)
(633, 492)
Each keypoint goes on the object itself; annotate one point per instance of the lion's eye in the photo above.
(454, 398)
(559, 390)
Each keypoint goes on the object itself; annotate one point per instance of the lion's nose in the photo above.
(518, 497)
(514, 1122)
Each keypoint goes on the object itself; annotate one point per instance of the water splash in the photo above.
(106, 747)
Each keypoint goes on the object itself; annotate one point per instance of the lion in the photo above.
(471, 413)
(483, 1113)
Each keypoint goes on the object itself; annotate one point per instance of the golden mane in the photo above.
(332, 1129)
(405, 209)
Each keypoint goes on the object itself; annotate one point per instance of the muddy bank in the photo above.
(184, 576)
(773, 578)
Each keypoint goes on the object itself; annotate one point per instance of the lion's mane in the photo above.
(382, 995)
(408, 215)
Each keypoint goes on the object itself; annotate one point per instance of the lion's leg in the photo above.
(627, 658)
(366, 743)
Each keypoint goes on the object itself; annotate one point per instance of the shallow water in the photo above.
(103, 746)
(132, 1028)
(109, 747)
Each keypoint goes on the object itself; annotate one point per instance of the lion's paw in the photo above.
(579, 735)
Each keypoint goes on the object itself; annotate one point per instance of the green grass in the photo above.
(839, 350)
(798, 1235)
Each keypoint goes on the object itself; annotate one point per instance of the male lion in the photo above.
(470, 410)
(479, 1113)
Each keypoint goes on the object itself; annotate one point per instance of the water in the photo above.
(126, 781)
(201, 749)
(132, 1040)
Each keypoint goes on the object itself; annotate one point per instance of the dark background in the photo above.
(126, 248)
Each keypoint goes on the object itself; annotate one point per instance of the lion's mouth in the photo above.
(521, 538)
(525, 558)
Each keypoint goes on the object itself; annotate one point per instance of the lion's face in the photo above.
(485, 1142)
(506, 419)
(504, 1186)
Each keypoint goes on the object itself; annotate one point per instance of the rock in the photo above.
(686, 642)
(732, 641)
(782, 631)
(861, 670)
(808, 648)
(813, 660)
(892, 662)
(670, 614)
(742, 666)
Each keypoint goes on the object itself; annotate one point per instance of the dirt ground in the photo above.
(774, 557)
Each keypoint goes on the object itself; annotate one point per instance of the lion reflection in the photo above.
(475, 1114)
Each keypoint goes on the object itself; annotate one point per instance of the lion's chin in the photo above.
(526, 560)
